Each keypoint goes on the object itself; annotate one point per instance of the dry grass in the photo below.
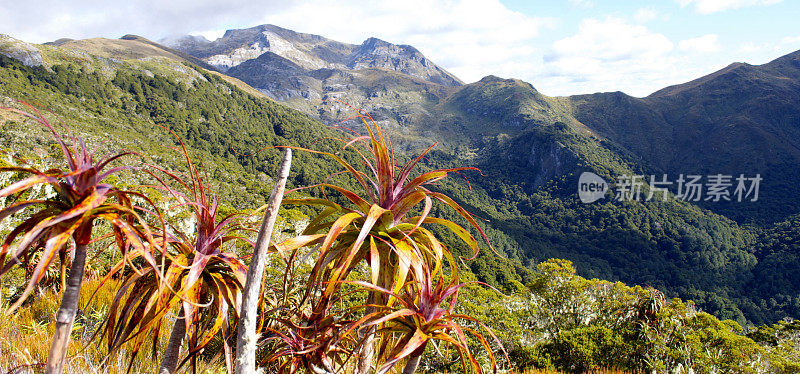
(128, 49)
(25, 337)
(537, 371)
(119, 49)
(599, 371)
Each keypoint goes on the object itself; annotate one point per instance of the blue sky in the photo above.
(762, 22)
(706, 35)
(562, 47)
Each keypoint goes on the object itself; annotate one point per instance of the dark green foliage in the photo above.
(525, 357)
(774, 285)
(674, 246)
(741, 119)
(573, 324)
(587, 348)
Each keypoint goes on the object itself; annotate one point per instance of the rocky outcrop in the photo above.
(397, 84)
(17, 49)
(376, 53)
(535, 157)
(548, 160)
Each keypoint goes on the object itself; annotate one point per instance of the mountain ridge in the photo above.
(715, 134)
(723, 122)
(310, 51)
(533, 147)
(742, 119)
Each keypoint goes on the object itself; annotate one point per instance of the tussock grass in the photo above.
(25, 336)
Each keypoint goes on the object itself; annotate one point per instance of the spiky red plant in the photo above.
(315, 341)
(65, 222)
(424, 312)
(376, 228)
(202, 274)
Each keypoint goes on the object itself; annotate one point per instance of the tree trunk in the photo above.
(366, 352)
(66, 312)
(169, 363)
(413, 361)
(411, 365)
(247, 340)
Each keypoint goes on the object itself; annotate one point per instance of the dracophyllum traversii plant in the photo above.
(304, 336)
(64, 223)
(376, 228)
(202, 276)
(424, 313)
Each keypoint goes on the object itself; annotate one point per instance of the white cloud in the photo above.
(714, 6)
(701, 44)
(209, 34)
(645, 15)
(787, 44)
(45, 20)
(613, 54)
(762, 52)
(611, 39)
(752, 47)
(790, 40)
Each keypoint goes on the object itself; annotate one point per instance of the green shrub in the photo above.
(586, 348)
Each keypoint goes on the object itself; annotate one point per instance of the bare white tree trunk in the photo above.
(247, 341)
(66, 312)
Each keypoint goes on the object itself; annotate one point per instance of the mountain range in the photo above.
(740, 120)
(736, 259)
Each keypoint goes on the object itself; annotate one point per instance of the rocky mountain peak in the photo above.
(376, 53)
(375, 44)
(311, 52)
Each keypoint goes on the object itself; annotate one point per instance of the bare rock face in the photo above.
(237, 46)
(309, 52)
(376, 53)
(17, 49)
(549, 160)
